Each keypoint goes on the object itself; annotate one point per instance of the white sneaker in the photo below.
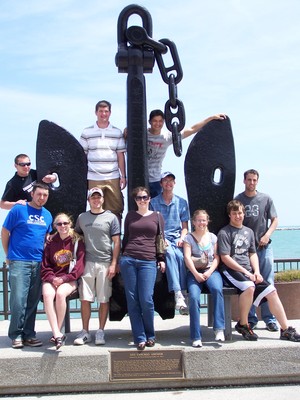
(179, 301)
(185, 310)
(219, 335)
(83, 338)
(99, 337)
(197, 343)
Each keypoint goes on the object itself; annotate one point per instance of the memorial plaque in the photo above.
(141, 365)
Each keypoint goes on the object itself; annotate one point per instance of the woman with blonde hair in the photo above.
(201, 259)
(62, 266)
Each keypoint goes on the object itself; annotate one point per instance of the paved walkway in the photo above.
(87, 368)
(253, 393)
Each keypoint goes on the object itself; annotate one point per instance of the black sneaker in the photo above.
(272, 327)
(290, 334)
(246, 331)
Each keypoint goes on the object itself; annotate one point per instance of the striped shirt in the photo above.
(101, 147)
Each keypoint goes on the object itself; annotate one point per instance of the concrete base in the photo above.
(87, 368)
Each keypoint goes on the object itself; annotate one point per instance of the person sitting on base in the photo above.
(175, 212)
(58, 277)
(201, 260)
(236, 247)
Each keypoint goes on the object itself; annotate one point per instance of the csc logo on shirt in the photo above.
(36, 219)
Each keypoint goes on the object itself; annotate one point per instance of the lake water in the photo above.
(285, 242)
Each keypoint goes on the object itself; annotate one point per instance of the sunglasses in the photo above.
(62, 223)
(24, 164)
(142, 198)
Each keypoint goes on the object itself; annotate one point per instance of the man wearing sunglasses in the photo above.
(18, 188)
(176, 215)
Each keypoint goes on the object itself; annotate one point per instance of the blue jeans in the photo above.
(175, 268)
(139, 279)
(25, 293)
(155, 189)
(215, 286)
(266, 260)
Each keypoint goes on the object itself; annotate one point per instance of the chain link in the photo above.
(174, 109)
(172, 75)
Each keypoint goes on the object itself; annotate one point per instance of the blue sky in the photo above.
(240, 57)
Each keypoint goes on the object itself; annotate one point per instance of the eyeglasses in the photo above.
(62, 223)
(142, 198)
(24, 164)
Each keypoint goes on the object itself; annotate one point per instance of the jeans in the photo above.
(139, 279)
(155, 189)
(215, 286)
(266, 259)
(175, 268)
(25, 293)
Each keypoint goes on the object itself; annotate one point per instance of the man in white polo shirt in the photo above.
(104, 146)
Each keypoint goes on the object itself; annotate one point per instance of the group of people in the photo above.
(87, 256)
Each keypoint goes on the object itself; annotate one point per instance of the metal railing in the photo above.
(74, 306)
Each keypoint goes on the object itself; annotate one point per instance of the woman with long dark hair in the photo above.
(139, 263)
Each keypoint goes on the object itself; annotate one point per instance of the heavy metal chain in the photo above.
(174, 109)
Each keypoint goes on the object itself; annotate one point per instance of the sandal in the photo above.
(150, 343)
(141, 346)
(60, 341)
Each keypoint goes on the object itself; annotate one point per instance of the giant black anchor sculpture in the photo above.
(137, 51)
(209, 163)
(136, 55)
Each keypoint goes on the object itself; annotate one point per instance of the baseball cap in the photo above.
(168, 173)
(95, 190)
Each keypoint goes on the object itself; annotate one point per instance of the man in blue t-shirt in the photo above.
(176, 215)
(23, 236)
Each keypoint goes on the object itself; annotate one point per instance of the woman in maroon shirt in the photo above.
(59, 279)
(139, 265)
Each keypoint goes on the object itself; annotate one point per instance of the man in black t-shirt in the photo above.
(18, 188)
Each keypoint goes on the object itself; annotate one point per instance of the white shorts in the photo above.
(94, 283)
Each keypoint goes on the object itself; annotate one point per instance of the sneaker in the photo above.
(17, 344)
(99, 337)
(33, 342)
(197, 343)
(185, 310)
(83, 338)
(219, 335)
(290, 334)
(272, 327)
(246, 331)
(179, 301)
(253, 325)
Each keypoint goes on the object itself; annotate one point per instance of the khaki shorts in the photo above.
(94, 283)
(113, 196)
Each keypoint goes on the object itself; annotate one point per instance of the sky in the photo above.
(239, 57)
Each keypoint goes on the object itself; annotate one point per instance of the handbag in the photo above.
(160, 243)
(200, 263)
(74, 260)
